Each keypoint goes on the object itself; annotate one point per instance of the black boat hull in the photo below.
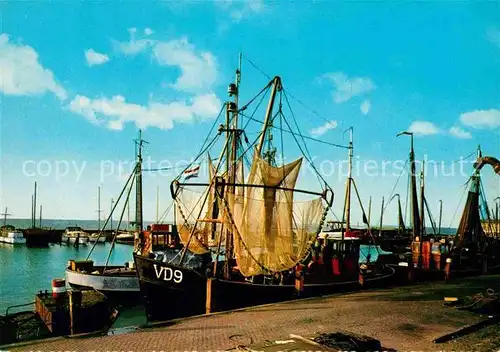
(170, 291)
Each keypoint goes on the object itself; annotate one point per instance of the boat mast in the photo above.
(381, 218)
(440, 215)
(5, 214)
(276, 82)
(415, 218)
(400, 216)
(111, 215)
(232, 135)
(422, 204)
(347, 203)
(138, 183)
(99, 207)
(369, 209)
(32, 211)
(40, 223)
(34, 208)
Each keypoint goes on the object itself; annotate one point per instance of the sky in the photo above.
(78, 79)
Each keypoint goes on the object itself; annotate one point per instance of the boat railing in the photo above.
(17, 306)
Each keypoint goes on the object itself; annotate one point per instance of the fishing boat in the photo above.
(262, 229)
(9, 234)
(470, 253)
(118, 283)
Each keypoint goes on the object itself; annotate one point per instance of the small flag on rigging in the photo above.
(193, 172)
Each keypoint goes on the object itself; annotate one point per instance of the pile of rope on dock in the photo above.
(487, 302)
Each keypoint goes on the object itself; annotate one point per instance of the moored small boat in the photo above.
(119, 283)
(95, 237)
(10, 235)
(75, 235)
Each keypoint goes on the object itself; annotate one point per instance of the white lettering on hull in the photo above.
(167, 274)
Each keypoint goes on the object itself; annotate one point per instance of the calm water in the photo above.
(24, 271)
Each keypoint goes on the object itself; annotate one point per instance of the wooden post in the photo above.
(75, 302)
(485, 265)
(411, 271)
(299, 279)
(209, 307)
(361, 278)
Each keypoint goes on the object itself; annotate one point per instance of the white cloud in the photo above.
(115, 112)
(134, 46)
(460, 133)
(198, 70)
(493, 35)
(365, 107)
(346, 88)
(319, 131)
(95, 58)
(423, 128)
(240, 9)
(481, 119)
(21, 72)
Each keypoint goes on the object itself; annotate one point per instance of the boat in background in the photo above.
(470, 253)
(95, 237)
(125, 237)
(75, 235)
(9, 234)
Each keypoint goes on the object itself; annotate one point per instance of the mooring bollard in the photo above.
(447, 269)
(58, 288)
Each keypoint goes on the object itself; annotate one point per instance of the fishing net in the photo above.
(271, 232)
(470, 230)
(192, 204)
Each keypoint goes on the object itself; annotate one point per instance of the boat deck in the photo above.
(403, 318)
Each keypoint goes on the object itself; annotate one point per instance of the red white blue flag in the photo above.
(193, 172)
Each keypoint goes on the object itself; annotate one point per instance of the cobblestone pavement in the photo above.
(406, 318)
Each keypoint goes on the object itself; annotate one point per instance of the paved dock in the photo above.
(405, 318)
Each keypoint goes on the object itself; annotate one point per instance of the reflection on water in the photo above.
(24, 271)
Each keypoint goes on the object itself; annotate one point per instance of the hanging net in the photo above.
(190, 205)
(271, 232)
(470, 231)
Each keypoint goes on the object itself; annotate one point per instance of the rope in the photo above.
(293, 97)
(300, 135)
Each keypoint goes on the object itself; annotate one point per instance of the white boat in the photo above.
(96, 238)
(125, 237)
(73, 234)
(12, 236)
(119, 283)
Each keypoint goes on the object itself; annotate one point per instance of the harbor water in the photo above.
(25, 271)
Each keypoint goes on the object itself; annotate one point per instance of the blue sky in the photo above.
(78, 79)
